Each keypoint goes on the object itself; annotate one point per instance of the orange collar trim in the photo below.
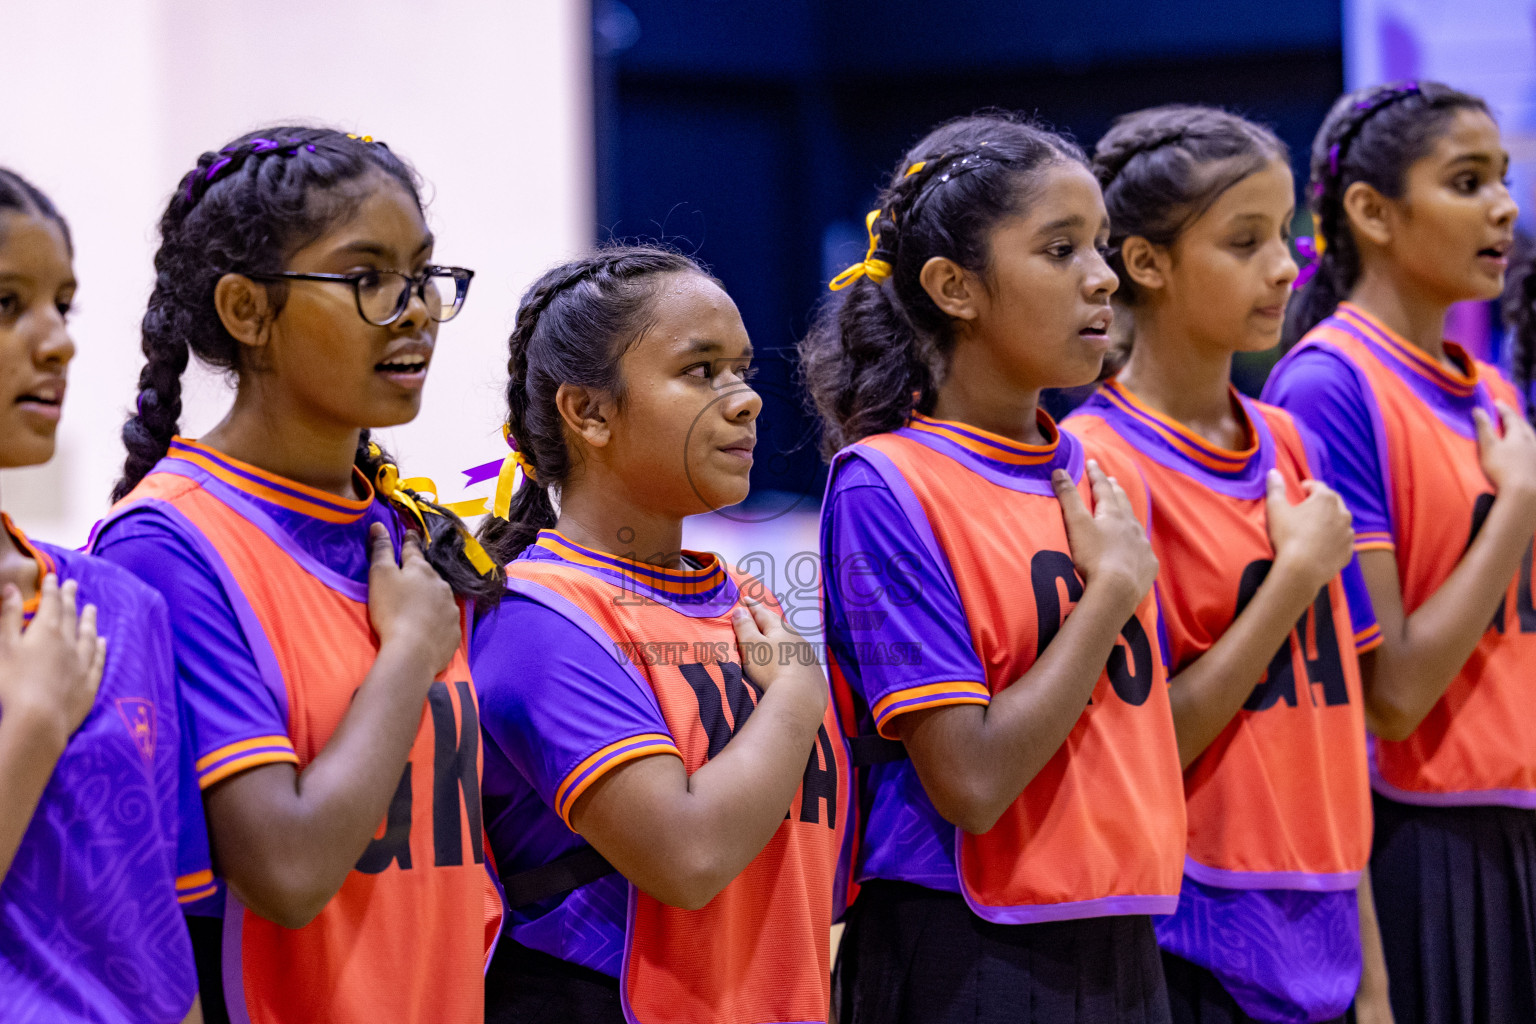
(270, 487)
(992, 446)
(1413, 357)
(677, 582)
(45, 564)
(1186, 441)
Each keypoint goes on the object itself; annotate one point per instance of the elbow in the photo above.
(695, 879)
(1388, 720)
(288, 899)
(970, 809)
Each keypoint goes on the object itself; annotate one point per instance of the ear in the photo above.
(1146, 264)
(955, 290)
(244, 307)
(1369, 213)
(587, 413)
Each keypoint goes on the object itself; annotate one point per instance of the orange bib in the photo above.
(758, 953)
(1476, 746)
(1100, 830)
(404, 939)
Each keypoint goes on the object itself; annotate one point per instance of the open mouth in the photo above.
(1498, 253)
(47, 406)
(404, 368)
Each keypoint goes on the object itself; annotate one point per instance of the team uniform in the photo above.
(271, 635)
(947, 571)
(1455, 849)
(90, 930)
(590, 662)
(1279, 804)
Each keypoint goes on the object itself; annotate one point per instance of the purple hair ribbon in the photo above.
(1306, 248)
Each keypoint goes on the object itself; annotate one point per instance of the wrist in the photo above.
(1295, 576)
(1121, 591)
(407, 658)
(41, 730)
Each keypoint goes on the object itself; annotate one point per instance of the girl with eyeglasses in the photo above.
(330, 716)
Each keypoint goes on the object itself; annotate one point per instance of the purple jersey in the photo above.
(551, 698)
(236, 712)
(888, 585)
(89, 924)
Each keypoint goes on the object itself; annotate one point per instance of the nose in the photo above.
(1284, 270)
(741, 404)
(54, 348)
(1100, 281)
(415, 315)
(1504, 209)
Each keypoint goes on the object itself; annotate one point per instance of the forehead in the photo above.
(1269, 190)
(375, 211)
(1469, 132)
(688, 306)
(1062, 191)
(33, 246)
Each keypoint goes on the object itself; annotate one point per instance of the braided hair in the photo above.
(19, 194)
(245, 209)
(1163, 167)
(1372, 135)
(867, 355)
(1519, 309)
(573, 326)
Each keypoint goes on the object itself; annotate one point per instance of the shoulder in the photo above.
(111, 588)
(1500, 386)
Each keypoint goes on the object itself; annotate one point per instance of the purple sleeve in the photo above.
(181, 820)
(1324, 395)
(234, 717)
(894, 618)
(557, 704)
(1362, 614)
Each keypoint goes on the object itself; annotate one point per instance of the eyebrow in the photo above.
(699, 346)
(1479, 157)
(1074, 221)
(366, 248)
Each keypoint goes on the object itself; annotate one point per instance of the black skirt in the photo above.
(1197, 996)
(1456, 897)
(525, 986)
(913, 955)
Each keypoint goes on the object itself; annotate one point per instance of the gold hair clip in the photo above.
(877, 270)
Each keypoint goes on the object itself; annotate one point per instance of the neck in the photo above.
(1185, 381)
(607, 519)
(288, 443)
(978, 393)
(1419, 319)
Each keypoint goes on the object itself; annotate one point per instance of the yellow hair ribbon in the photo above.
(916, 167)
(360, 138)
(404, 493)
(1320, 242)
(876, 270)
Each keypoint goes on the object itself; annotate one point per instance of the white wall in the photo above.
(108, 102)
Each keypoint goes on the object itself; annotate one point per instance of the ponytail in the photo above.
(1372, 135)
(880, 352)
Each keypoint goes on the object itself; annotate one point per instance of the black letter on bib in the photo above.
(1044, 570)
(1280, 677)
(1327, 669)
(819, 783)
(739, 690)
(1132, 676)
(453, 771)
(396, 842)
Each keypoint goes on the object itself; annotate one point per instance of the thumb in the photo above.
(1274, 491)
(1074, 512)
(1486, 435)
(381, 553)
(10, 613)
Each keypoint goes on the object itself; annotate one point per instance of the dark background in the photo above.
(754, 135)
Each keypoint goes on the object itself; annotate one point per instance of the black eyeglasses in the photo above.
(382, 295)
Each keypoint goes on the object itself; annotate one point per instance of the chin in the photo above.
(718, 494)
(27, 448)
